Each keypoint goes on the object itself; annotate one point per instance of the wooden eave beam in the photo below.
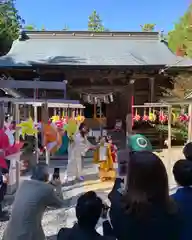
(16, 84)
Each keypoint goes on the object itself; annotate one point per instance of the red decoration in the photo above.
(162, 117)
(137, 118)
(145, 118)
(6, 148)
(59, 124)
(183, 118)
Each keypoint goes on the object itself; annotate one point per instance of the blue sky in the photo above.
(116, 14)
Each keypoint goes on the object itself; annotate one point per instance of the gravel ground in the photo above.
(53, 220)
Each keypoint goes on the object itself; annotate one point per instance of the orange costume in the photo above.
(52, 139)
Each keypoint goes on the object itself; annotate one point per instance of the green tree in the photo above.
(148, 27)
(43, 28)
(95, 23)
(30, 27)
(180, 39)
(10, 24)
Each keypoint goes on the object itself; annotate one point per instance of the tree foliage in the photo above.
(148, 27)
(95, 23)
(180, 39)
(30, 27)
(10, 24)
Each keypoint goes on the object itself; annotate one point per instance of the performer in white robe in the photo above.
(76, 150)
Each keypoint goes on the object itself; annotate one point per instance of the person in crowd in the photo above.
(3, 187)
(56, 182)
(144, 210)
(88, 211)
(4, 180)
(187, 151)
(182, 171)
(138, 142)
(77, 148)
(103, 157)
(31, 200)
(114, 149)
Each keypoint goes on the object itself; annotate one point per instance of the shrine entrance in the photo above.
(93, 111)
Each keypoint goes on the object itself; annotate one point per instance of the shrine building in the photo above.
(114, 67)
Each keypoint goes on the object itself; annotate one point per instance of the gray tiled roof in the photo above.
(133, 49)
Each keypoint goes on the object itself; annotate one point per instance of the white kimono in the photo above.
(76, 150)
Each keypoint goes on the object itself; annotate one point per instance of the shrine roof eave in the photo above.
(82, 67)
(85, 49)
(182, 63)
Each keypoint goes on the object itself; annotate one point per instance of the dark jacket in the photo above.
(159, 226)
(183, 198)
(77, 233)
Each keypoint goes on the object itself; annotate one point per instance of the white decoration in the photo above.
(9, 133)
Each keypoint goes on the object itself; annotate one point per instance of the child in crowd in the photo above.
(113, 149)
(187, 151)
(182, 171)
(56, 182)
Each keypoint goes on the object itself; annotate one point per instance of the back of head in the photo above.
(40, 172)
(182, 171)
(88, 210)
(147, 182)
(187, 151)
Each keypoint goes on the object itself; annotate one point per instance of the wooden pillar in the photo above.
(190, 123)
(17, 119)
(95, 111)
(2, 116)
(169, 164)
(151, 89)
(130, 93)
(45, 119)
(36, 135)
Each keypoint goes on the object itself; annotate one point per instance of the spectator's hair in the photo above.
(81, 126)
(40, 172)
(88, 210)
(182, 171)
(56, 176)
(187, 151)
(147, 185)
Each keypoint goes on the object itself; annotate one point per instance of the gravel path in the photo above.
(53, 220)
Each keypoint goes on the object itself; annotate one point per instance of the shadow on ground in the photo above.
(54, 237)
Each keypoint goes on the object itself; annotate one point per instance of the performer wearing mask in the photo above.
(77, 148)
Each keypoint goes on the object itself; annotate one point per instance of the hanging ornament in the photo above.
(184, 118)
(162, 117)
(174, 118)
(145, 116)
(88, 98)
(152, 116)
(27, 128)
(111, 97)
(55, 118)
(137, 117)
(106, 100)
